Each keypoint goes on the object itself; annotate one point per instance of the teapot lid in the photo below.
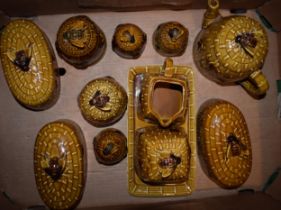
(240, 45)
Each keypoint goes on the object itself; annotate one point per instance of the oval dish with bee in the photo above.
(59, 164)
(29, 65)
(224, 143)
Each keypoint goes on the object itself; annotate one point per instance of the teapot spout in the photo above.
(211, 14)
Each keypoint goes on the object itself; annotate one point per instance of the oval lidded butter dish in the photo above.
(224, 143)
(103, 101)
(128, 41)
(60, 164)
(232, 49)
(80, 41)
(29, 65)
(162, 155)
(110, 146)
(170, 39)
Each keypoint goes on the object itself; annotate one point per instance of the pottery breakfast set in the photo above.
(163, 129)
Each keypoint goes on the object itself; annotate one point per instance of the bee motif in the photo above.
(101, 101)
(21, 58)
(175, 34)
(168, 164)
(234, 146)
(76, 35)
(54, 165)
(247, 41)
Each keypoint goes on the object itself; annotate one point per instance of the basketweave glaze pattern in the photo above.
(170, 39)
(103, 101)
(128, 41)
(80, 41)
(162, 155)
(224, 143)
(218, 51)
(29, 64)
(136, 186)
(110, 146)
(60, 164)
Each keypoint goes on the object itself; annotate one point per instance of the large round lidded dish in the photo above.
(29, 65)
(80, 41)
(170, 39)
(103, 101)
(110, 146)
(60, 164)
(128, 41)
(162, 156)
(232, 49)
(224, 143)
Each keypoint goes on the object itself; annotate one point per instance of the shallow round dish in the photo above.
(110, 146)
(103, 101)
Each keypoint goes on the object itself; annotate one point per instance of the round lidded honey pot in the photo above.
(170, 39)
(224, 143)
(80, 41)
(110, 146)
(128, 41)
(232, 49)
(103, 101)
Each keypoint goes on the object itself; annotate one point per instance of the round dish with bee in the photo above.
(224, 143)
(60, 164)
(170, 39)
(162, 155)
(103, 101)
(110, 146)
(80, 41)
(128, 41)
(29, 65)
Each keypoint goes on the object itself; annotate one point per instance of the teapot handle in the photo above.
(256, 85)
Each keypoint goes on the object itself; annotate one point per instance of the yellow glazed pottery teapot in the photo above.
(232, 49)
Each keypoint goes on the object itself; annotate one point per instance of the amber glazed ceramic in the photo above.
(80, 41)
(60, 164)
(162, 156)
(232, 49)
(29, 64)
(103, 101)
(224, 143)
(164, 97)
(146, 138)
(170, 39)
(110, 146)
(128, 41)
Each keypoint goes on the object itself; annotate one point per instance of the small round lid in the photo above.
(110, 146)
(224, 143)
(240, 46)
(103, 101)
(79, 40)
(170, 39)
(128, 41)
